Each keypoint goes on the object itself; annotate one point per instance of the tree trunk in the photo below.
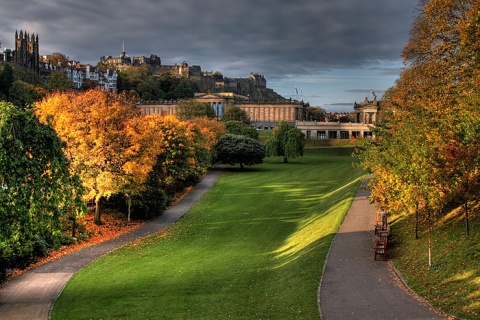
(285, 160)
(97, 220)
(416, 221)
(74, 227)
(129, 202)
(467, 224)
(429, 239)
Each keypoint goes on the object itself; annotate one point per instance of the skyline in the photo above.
(332, 54)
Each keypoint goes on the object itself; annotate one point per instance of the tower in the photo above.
(27, 51)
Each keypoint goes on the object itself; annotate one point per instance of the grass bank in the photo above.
(453, 282)
(253, 248)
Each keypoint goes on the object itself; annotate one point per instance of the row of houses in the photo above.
(104, 78)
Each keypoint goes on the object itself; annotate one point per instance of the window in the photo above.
(321, 135)
(309, 134)
(344, 135)
(332, 135)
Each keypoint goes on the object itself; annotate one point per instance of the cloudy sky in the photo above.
(333, 52)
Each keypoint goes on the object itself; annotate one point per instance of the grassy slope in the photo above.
(453, 281)
(253, 248)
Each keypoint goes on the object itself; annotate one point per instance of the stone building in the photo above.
(367, 111)
(118, 62)
(365, 114)
(266, 115)
(26, 52)
(263, 115)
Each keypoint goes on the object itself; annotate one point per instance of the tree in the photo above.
(58, 59)
(25, 94)
(211, 130)
(287, 142)
(93, 125)
(59, 81)
(316, 114)
(235, 114)
(6, 80)
(189, 109)
(240, 149)
(185, 158)
(36, 186)
(144, 146)
(142, 83)
(240, 128)
(426, 152)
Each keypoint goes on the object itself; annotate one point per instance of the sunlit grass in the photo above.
(453, 281)
(253, 248)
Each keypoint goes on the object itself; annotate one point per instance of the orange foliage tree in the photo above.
(426, 151)
(98, 128)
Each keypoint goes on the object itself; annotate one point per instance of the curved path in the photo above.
(354, 285)
(31, 295)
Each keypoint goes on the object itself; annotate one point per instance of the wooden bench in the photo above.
(381, 223)
(381, 249)
(382, 231)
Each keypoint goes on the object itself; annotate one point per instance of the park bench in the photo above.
(380, 249)
(382, 230)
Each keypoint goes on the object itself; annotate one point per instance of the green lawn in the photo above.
(453, 281)
(253, 248)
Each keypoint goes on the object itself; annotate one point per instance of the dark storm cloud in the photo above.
(272, 37)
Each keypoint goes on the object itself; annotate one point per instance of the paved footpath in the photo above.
(31, 295)
(354, 285)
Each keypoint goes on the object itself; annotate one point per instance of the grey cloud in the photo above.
(270, 37)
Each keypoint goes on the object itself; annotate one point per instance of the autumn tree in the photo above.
(210, 130)
(287, 142)
(36, 186)
(426, 151)
(93, 126)
(144, 146)
(58, 59)
(185, 158)
(240, 149)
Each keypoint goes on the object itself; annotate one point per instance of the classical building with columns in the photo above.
(263, 115)
(365, 115)
(266, 115)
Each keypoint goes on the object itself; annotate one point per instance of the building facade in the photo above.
(263, 115)
(365, 115)
(26, 52)
(104, 79)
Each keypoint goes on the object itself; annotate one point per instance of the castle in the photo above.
(254, 87)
